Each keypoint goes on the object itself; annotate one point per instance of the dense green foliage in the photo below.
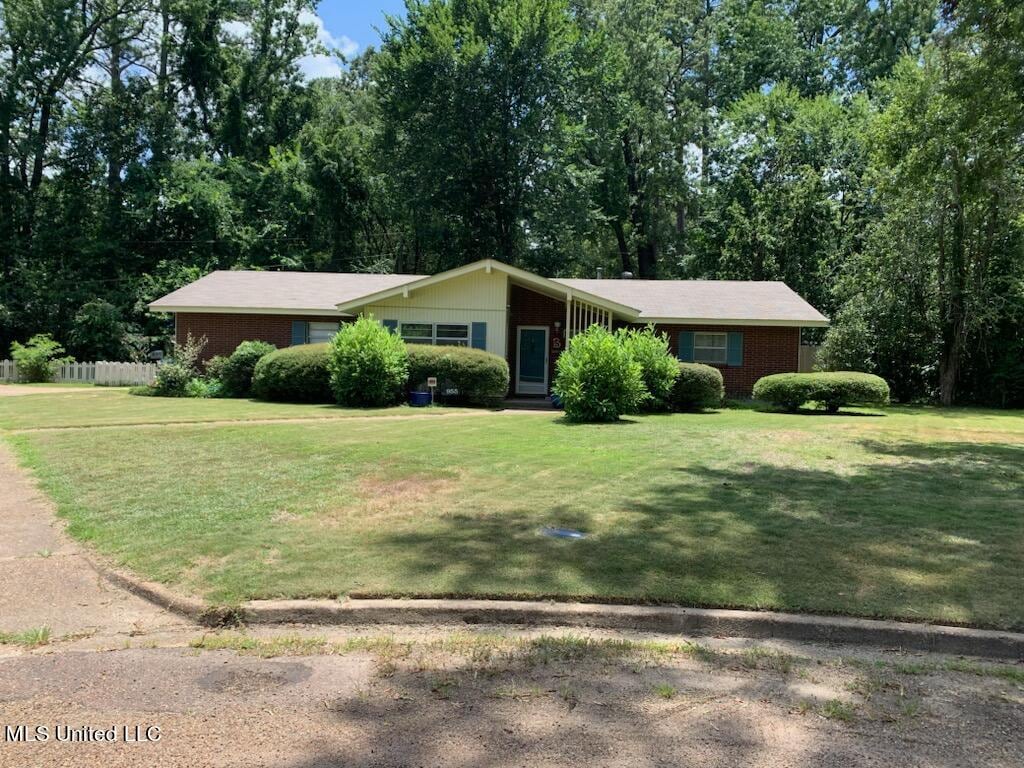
(236, 373)
(174, 377)
(867, 153)
(369, 365)
(295, 375)
(38, 359)
(597, 379)
(479, 377)
(698, 386)
(831, 390)
(658, 368)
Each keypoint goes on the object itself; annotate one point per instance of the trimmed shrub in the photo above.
(596, 378)
(369, 365)
(832, 390)
(294, 375)
(698, 386)
(236, 373)
(481, 378)
(658, 368)
(39, 359)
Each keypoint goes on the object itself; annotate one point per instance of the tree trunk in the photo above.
(646, 250)
(620, 238)
(954, 313)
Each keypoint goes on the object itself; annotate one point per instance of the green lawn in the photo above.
(915, 513)
(108, 406)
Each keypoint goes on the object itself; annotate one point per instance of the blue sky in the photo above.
(356, 19)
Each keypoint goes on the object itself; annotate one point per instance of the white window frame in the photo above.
(434, 339)
(698, 357)
(321, 327)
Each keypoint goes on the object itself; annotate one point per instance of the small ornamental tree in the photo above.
(369, 365)
(39, 358)
(173, 377)
(658, 368)
(596, 378)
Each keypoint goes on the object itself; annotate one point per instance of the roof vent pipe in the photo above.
(627, 275)
(600, 273)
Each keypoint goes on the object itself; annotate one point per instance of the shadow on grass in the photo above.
(933, 532)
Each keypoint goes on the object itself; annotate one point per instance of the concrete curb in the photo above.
(188, 607)
(693, 622)
(666, 619)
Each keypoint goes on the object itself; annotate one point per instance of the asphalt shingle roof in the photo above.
(705, 299)
(321, 292)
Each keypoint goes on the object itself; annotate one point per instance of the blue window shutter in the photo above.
(300, 332)
(734, 349)
(391, 325)
(686, 346)
(479, 335)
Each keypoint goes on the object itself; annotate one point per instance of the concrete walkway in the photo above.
(46, 581)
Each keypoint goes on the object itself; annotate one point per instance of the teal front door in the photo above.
(532, 360)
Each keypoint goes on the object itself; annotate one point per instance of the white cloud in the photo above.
(326, 65)
(318, 64)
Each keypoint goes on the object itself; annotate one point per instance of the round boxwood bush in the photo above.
(479, 377)
(833, 390)
(294, 375)
(236, 372)
(698, 386)
(658, 368)
(596, 378)
(369, 365)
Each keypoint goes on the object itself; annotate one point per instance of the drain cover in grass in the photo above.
(563, 533)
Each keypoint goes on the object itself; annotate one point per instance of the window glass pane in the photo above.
(709, 340)
(452, 343)
(319, 332)
(706, 355)
(452, 331)
(710, 347)
(417, 331)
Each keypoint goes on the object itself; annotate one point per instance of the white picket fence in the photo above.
(101, 372)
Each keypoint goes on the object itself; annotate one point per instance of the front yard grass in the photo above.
(909, 513)
(108, 406)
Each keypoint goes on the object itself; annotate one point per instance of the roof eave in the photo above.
(489, 265)
(304, 311)
(778, 323)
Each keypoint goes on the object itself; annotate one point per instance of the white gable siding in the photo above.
(477, 297)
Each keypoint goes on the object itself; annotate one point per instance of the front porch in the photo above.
(539, 326)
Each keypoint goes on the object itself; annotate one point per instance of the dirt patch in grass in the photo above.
(384, 494)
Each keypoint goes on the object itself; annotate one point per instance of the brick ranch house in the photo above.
(746, 329)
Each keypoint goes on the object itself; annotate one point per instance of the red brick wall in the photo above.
(766, 350)
(224, 332)
(527, 307)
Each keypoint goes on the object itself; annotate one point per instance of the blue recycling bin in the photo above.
(419, 399)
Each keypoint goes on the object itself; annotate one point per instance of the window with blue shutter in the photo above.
(479, 335)
(300, 332)
(686, 346)
(735, 349)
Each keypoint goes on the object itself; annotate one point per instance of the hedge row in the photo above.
(833, 390)
(302, 374)
(294, 375)
(472, 376)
